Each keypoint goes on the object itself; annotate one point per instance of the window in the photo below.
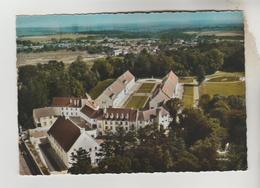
(126, 128)
(96, 148)
(90, 149)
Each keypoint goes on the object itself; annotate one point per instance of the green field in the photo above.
(225, 74)
(136, 102)
(225, 89)
(188, 96)
(100, 87)
(224, 79)
(146, 88)
(186, 80)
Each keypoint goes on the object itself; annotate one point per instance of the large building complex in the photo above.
(75, 123)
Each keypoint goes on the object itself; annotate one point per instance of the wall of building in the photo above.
(59, 150)
(85, 141)
(70, 111)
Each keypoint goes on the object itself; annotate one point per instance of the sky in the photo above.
(131, 21)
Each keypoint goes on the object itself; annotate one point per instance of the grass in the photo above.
(186, 80)
(146, 88)
(136, 102)
(225, 74)
(225, 89)
(224, 79)
(100, 87)
(188, 96)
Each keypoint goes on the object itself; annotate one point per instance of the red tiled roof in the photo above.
(64, 132)
(66, 102)
(118, 85)
(120, 114)
(169, 84)
(90, 112)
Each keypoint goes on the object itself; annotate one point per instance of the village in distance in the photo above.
(131, 93)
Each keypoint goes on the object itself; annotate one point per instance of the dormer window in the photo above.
(111, 115)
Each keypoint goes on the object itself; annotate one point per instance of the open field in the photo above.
(224, 79)
(100, 87)
(225, 74)
(45, 38)
(60, 55)
(225, 88)
(146, 88)
(216, 33)
(136, 102)
(188, 96)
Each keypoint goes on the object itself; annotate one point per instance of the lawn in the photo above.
(224, 79)
(136, 102)
(225, 89)
(146, 88)
(188, 96)
(186, 80)
(225, 74)
(100, 87)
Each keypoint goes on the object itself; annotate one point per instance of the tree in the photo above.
(174, 106)
(81, 162)
(204, 102)
(200, 73)
(214, 60)
(103, 69)
(186, 162)
(195, 126)
(206, 152)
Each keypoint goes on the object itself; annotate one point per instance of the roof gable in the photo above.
(65, 132)
(169, 84)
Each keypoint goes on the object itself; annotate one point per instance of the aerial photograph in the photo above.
(131, 92)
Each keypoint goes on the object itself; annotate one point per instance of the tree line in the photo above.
(191, 143)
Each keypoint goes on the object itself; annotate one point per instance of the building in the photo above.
(45, 117)
(110, 119)
(158, 116)
(169, 89)
(113, 118)
(117, 91)
(65, 136)
(71, 106)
